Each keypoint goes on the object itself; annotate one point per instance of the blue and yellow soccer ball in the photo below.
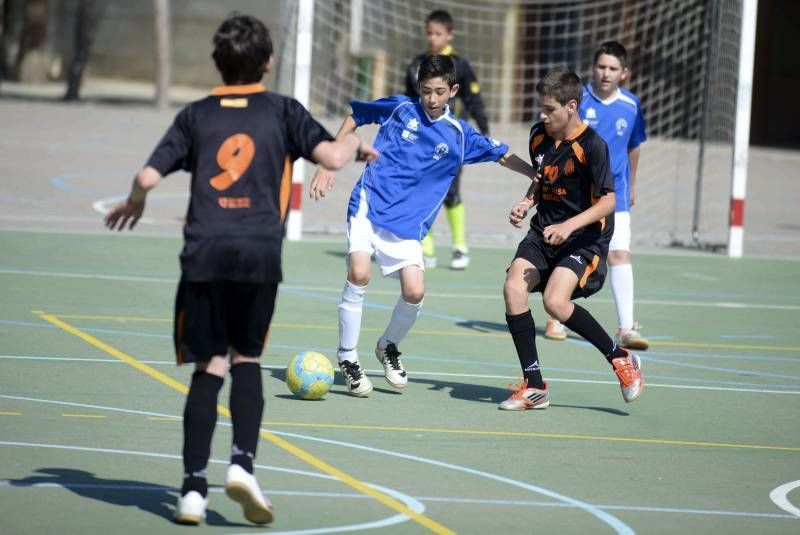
(309, 375)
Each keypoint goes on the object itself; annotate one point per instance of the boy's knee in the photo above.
(359, 277)
(557, 307)
(413, 295)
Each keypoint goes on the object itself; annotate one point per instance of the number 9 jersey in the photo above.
(239, 144)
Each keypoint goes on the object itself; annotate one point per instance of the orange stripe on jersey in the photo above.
(577, 132)
(595, 200)
(589, 270)
(579, 152)
(246, 89)
(536, 140)
(286, 186)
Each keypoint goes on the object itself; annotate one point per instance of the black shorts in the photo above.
(211, 317)
(587, 261)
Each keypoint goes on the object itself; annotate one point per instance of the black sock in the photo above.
(247, 406)
(585, 325)
(199, 419)
(523, 332)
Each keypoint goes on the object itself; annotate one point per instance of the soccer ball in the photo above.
(309, 375)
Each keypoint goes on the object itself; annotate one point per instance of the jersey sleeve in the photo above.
(599, 163)
(479, 148)
(172, 152)
(377, 112)
(638, 135)
(304, 132)
(470, 93)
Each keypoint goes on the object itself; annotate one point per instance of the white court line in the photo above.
(736, 390)
(618, 526)
(412, 503)
(492, 296)
(439, 499)
(778, 495)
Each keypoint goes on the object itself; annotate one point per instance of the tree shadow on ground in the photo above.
(154, 499)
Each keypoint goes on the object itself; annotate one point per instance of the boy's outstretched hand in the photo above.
(124, 212)
(518, 213)
(323, 181)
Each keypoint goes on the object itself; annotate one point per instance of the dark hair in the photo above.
(613, 48)
(242, 47)
(562, 84)
(440, 16)
(437, 66)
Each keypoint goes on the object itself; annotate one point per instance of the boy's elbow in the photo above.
(148, 178)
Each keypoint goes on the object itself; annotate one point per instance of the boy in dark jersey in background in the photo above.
(239, 144)
(439, 32)
(564, 253)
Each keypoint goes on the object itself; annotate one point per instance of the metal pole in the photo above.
(742, 131)
(302, 92)
(163, 54)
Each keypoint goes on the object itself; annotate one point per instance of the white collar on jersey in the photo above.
(612, 98)
(442, 116)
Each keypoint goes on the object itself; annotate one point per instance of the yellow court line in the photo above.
(10, 414)
(533, 435)
(95, 416)
(442, 333)
(294, 450)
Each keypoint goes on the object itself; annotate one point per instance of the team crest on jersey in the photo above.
(621, 125)
(440, 150)
(569, 167)
(591, 113)
(413, 124)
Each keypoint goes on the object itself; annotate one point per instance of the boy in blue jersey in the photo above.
(439, 27)
(564, 253)
(616, 114)
(239, 144)
(394, 203)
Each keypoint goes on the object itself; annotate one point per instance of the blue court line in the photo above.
(650, 352)
(717, 369)
(747, 336)
(328, 350)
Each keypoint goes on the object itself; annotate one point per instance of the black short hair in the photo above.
(562, 84)
(440, 16)
(242, 47)
(613, 48)
(437, 66)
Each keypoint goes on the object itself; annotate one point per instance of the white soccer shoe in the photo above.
(356, 380)
(392, 365)
(191, 508)
(242, 487)
(460, 259)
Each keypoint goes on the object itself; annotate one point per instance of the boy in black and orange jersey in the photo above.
(439, 32)
(564, 253)
(239, 144)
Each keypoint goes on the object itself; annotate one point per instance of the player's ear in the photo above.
(454, 89)
(624, 75)
(268, 65)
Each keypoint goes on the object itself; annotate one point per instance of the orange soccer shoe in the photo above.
(629, 373)
(525, 398)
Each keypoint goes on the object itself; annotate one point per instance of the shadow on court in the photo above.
(493, 327)
(155, 499)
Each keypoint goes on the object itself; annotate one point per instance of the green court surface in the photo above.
(90, 402)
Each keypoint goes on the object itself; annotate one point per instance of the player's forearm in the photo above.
(348, 127)
(145, 180)
(334, 155)
(514, 163)
(633, 162)
(603, 207)
(533, 194)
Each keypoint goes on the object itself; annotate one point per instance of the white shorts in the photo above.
(621, 239)
(391, 252)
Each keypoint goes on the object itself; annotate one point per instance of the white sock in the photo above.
(350, 309)
(403, 317)
(622, 288)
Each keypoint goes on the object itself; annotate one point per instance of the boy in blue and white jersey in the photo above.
(616, 114)
(422, 146)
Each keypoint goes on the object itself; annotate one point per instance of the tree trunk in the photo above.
(31, 64)
(162, 52)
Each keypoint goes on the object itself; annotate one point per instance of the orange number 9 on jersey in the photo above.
(234, 156)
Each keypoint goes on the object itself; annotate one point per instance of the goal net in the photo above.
(683, 59)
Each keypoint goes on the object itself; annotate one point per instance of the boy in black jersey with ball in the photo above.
(564, 253)
(239, 144)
